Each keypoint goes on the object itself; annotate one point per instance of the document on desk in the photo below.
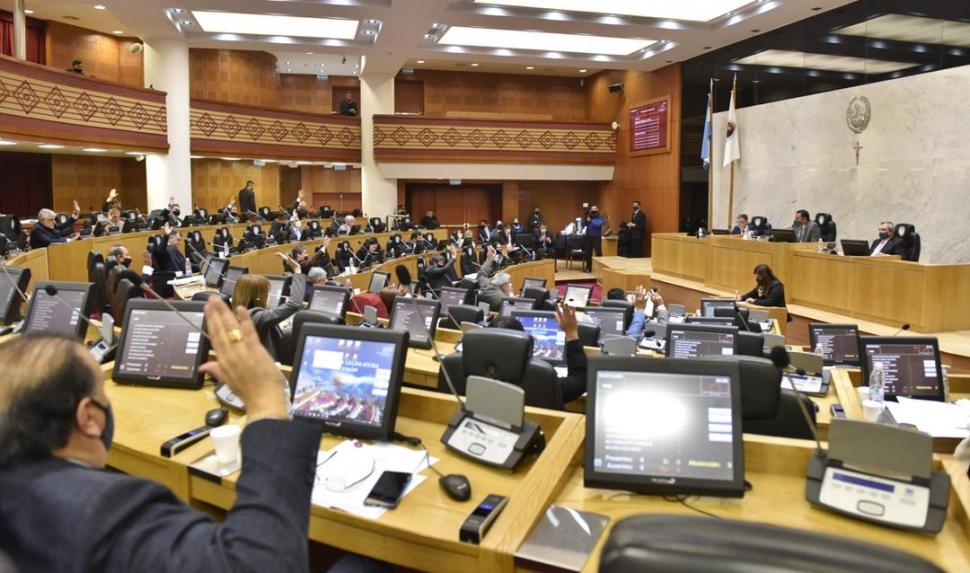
(348, 472)
(938, 419)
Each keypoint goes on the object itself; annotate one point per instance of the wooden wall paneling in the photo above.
(510, 201)
(559, 201)
(89, 179)
(291, 181)
(326, 186)
(423, 198)
(215, 181)
(134, 185)
(305, 92)
(409, 96)
(103, 56)
(234, 76)
(653, 179)
(455, 204)
(483, 202)
(25, 183)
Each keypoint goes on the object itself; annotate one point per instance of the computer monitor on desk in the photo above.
(911, 365)
(451, 296)
(664, 427)
(159, 348)
(330, 299)
(214, 271)
(18, 277)
(610, 319)
(233, 274)
(378, 280)
(577, 296)
(417, 316)
(509, 304)
(840, 343)
(709, 304)
(697, 341)
(855, 248)
(549, 341)
(49, 314)
(782, 236)
(278, 284)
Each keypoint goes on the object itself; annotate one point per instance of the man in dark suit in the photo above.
(348, 106)
(46, 231)
(62, 511)
(638, 229)
(484, 233)
(168, 259)
(887, 243)
(806, 230)
(247, 199)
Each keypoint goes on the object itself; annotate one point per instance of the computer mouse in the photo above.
(216, 417)
(456, 486)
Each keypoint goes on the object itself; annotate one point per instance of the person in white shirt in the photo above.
(348, 226)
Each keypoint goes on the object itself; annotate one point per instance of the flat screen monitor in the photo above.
(214, 271)
(159, 348)
(60, 314)
(233, 274)
(697, 341)
(782, 236)
(709, 304)
(577, 295)
(533, 282)
(330, 299)
(840, 343)
(349, 379)
(664, 427)
(911, 364)
(509, 304)
(855, 248)
(417, 316)
(14, 278)
(549, 341)
(278, 285)
(451, 296)
(610, 320)
(378, 280)
(710, 321)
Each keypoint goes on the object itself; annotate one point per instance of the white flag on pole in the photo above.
(732, 144)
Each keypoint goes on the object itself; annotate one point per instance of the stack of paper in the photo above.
(348, 472)
(938, 419)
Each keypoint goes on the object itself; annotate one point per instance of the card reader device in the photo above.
(481, 519)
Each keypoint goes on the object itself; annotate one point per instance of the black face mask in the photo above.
(177, 212)
(884, 235)
(594, 213)
(109, 424)
(126, 261)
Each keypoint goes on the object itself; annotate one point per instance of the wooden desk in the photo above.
(37, 262)
(422, 533)
(777, 467)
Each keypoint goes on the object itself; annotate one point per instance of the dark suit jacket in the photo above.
(247, 200)
(640, 220)
(168, 259)
(41, 236)
(774, 296)
(56, 515)
(893, 247)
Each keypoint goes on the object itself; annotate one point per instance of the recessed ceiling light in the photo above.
(179, 10)
(826, 62)
(187, 22)
(287, 63)
(94, 150)
(231, 159)
(289, 69)
(695, 11)
(582, 71)
(474, 65)
(912, 29)
(5, 142)
(28, 11)
(368, 32)
(50, 146)
(100, 7)
(541, 41)
(268, 25)
(143, 153)
(309, 53)
(117, 32)
(530, 67)
(420, 61)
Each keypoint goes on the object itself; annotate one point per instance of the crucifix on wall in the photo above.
(858, 147)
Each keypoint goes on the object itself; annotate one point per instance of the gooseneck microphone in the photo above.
(903, 328)
(438, 355)
(52, 291)
(781, 360)
(140, 283)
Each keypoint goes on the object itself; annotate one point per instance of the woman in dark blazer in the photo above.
(768, 292)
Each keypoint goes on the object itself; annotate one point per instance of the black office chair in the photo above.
(538, 296)
(504, 355)
(343, 255)
(10, 227)
(125, 292)
(286, 351)
(195, 247)
(687, 543)
(911, 241)
(314, 230)
(222, 239)
(460, 313)
(574, 249)
(624, 304)
(827, 225)
(469, 261)
(376, 225)
(278, 232)
(326, 212)
(152, 244)
(205, 295)
(751, 344)
(94, 257)
(266, 214)
(760, 225)
(589, 334)
(760, 387)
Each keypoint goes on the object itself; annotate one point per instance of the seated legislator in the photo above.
(806, 230)
(640, 318)
(252, 292)
(441, 271)
(493, 287)
(118, 255)
(887, 243)
(769, 290)
(741, 225)
(320, 259)
(430, 220)
(574, 383)
(347, 227)
(63, 511)
(168, 258)
(545, 242)
(46, 231)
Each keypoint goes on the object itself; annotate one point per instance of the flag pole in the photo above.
(730, 216)
(710, 147)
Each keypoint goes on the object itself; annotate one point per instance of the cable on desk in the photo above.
(682, 499)
(416, 442)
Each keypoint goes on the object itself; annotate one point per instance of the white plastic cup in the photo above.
(871, 410)
(226, 441)
(863, 392)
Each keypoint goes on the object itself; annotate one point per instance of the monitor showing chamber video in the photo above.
(160, 348)
(330, 299)
(60, 312)
(549, 341)
(533, 282)
(698, 341)
(839, 342)
(419, 317)
(662, 426)
(911, 365)
(610, 320)
(348, 379)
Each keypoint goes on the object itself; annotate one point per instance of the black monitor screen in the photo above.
(233, 274)
(158, 345)
(715, 321)
(664, 424)
(378, 280)
(911, 365)
(699, 341)
(610, 320)
(839, 342)
(329, 299)
(577, 295)
(214, 271)
(450, 297)
(549, 341)
(49, 315)
(709, 304)
(9, 297)
(343, 381)
(510, 304)
(419, 317)
(276, 286)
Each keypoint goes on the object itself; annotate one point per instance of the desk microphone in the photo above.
(902, 329)
(781, 360)
(51, 290)
(140, 283)
(744, 321)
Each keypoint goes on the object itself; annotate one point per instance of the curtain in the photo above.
(25, 183)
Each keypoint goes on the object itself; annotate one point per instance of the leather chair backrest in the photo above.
(99, 276)
(751, 344)
(93, 257)
(496, 353)
(911, 241)
(538, 295)
(205, 295)
(760, 387)
(788, 422)
(589, 334)
(538, 380)
(126, 291)
(460, 313)
(286, 350)
(624, 304)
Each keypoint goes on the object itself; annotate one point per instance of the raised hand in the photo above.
(566, 317)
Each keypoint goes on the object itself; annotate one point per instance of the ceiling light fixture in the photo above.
(913, 29)
(5, 142)
(541, 41)
(100, 7)
(582, 71)
(690, 11)
(117, 32)
(420, 61)
(50, 146)
(474, 65)
(530, 67)
(824, 62)
(94, 150)
(28, 11)
(269, 25)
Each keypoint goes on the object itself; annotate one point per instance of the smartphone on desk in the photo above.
(388, 490)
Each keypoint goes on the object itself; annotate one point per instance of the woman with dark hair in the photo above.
(252, 293)
(768, 291)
